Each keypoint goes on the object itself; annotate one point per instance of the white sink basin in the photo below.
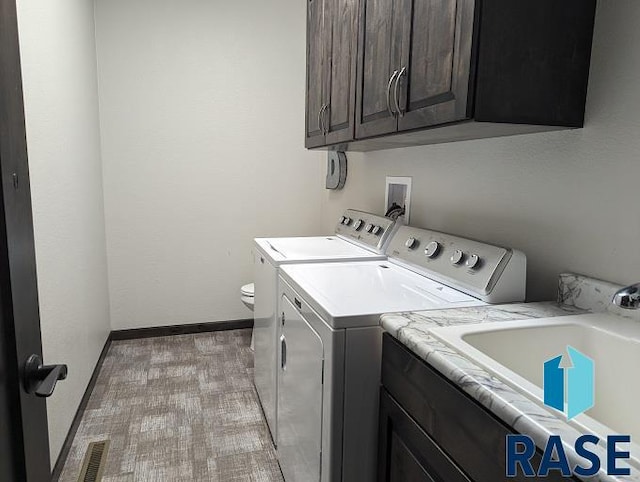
(516, 351)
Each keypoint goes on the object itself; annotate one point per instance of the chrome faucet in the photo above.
(628, 297)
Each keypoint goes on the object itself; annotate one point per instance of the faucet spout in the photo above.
(628, 297)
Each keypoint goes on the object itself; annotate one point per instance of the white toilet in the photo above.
(246, 295)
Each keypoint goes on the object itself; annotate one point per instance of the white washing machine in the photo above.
(358, 236)
(330, 346)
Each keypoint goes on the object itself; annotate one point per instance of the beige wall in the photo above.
(202, 115)
(569, 200)
(61, 107)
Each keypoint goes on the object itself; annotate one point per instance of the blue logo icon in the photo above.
(569, 389)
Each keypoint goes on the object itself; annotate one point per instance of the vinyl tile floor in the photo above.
(177, 408)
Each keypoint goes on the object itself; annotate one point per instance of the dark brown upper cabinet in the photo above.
(332, 42)
(431, 71)
(316, 64)
(415, 69)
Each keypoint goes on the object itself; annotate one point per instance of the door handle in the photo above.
(391, 79)
(283, 353)
(396, 91)
(41, 379)
(321, 119)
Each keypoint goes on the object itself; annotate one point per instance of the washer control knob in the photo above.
(358, 225)
(347, 221)
(377, 230)
(432, 249)
(342, 218)
(368, 228)
(473, 262)
(457, 256)
(411, 243)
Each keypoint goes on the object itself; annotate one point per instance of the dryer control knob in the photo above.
(368, 228)
(347, 221)
(358, 225)
(473, 262)
(342, 218)
(377, 230)
(432, 249)
(457, 256)
(411, 243)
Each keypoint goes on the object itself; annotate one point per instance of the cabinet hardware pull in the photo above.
(320, 126)
(393, 76)
(297, 302)
(396, 91)
(325, 119)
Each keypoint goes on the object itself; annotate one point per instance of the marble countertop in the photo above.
(577, 295)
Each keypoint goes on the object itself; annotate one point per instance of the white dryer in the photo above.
(358, 236)
(330, 347)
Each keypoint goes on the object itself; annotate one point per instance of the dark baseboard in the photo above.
(153, 331)
(68, 441)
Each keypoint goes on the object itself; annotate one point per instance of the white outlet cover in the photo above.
(398, 191)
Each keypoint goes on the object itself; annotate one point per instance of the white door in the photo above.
(299, 398)
(265, 337)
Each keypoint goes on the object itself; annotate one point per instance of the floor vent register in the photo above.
(94, 462)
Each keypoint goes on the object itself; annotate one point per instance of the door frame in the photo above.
(24, 438)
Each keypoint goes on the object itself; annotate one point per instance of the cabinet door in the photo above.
(299, 398)
(436, 64)
(407, 453)
(317, 65)
(381, 39)
(342, 33)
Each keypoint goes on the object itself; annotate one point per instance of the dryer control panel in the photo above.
(492, 273)
(364, 228)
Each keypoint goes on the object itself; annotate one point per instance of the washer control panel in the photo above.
(365, 228)
(474, 266)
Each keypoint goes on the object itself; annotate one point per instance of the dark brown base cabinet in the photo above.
(431, 431)
(432, 71)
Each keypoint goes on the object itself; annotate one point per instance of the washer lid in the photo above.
(347, 290)
(312, 248)
(247, 290)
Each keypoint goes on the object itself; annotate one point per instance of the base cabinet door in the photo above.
(407, 453)
(431, 430)
(299, 397)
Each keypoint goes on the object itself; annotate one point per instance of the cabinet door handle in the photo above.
(393, 76)
(325, 119)
(320, 126)
(396, 91)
